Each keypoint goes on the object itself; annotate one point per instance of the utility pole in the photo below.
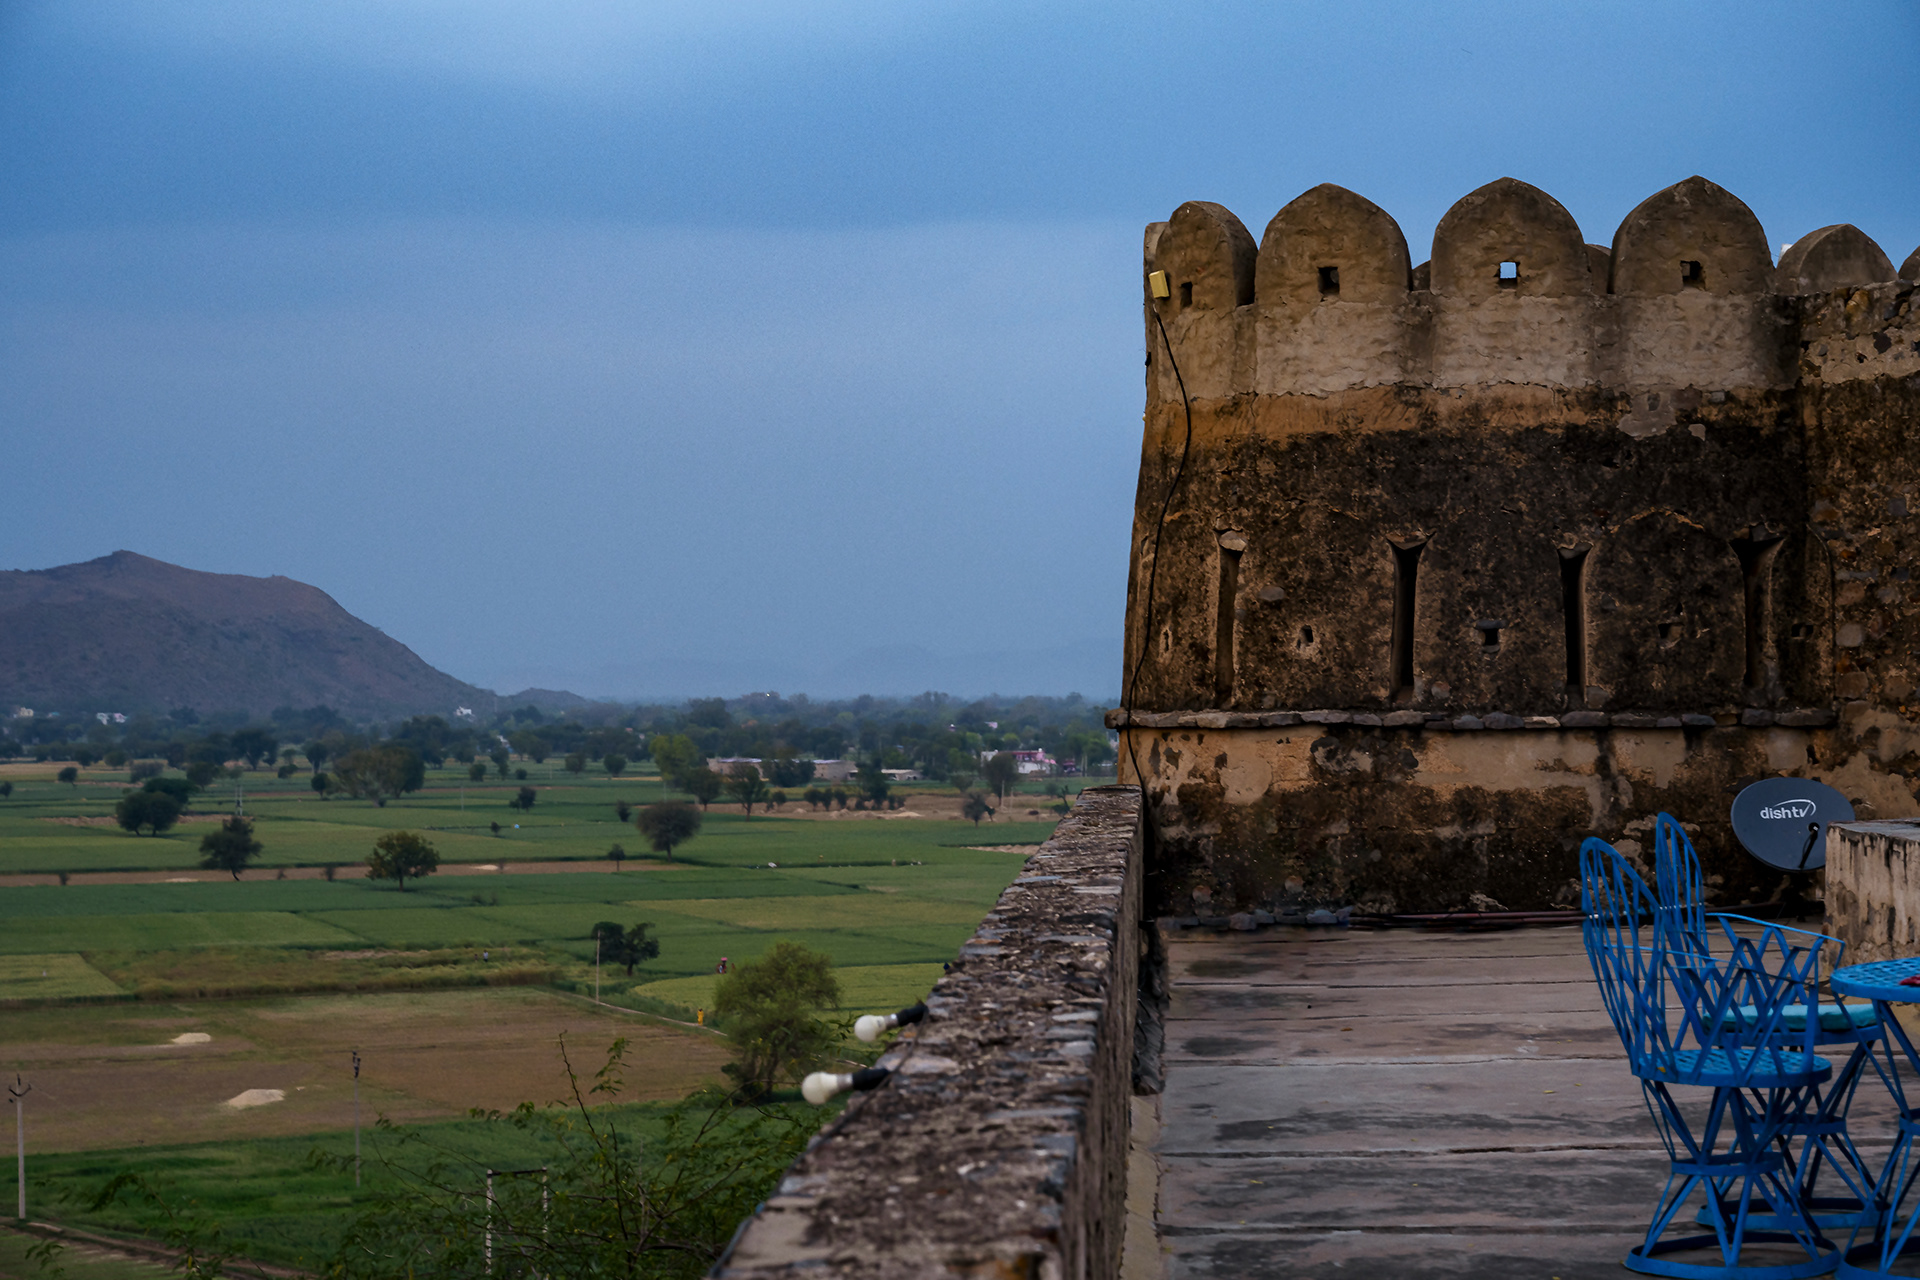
(356, 1117)
(596, 965)
(18, 1091)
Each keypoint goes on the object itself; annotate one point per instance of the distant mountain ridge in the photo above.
(130, 633)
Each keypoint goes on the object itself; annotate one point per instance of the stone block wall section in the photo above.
(998, 1148)
(1873, 889)
(1651, 508)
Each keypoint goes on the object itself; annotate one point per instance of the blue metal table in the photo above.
(1886, 983)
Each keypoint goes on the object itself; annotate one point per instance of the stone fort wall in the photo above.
(1461, 562)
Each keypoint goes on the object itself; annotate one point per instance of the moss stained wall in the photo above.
(1649, 497)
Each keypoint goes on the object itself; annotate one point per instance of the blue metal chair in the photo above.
(1685, 1019)
(1822, 1134)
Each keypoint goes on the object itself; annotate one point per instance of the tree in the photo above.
(154, 810)
(179, 788)
(85, 756)
(316, 753)
(6, 790)
(524, 800)
(1000, 772)
(230, 847)
(531, 745)
(576, 763)
(872, 783)
(616, 855)
(626, 946)
(674, 754)
(961, 767)
(323, 784)
(70, 776)
(399, 854)
(975, 807)
(702, 783)
(254, 745)
(769, 1007)
(380, 773)
(789, 770)
(669, 823)
(200, 773)
(500, 759)
(746, 786)
(114, 759)
(614, 763)
(476, 772)
(623, 811)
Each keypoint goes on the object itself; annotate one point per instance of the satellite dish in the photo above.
(1783, 821)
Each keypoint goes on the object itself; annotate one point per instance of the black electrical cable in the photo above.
(1153, 573)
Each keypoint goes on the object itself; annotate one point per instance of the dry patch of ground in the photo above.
(112, 1076)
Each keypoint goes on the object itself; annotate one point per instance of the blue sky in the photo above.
(678, 348)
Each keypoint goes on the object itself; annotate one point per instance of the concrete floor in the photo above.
(1399, 1103)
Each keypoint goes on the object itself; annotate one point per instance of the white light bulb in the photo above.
(869, 1027)
(822, 1086)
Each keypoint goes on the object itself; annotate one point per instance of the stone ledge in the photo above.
(998, 1146)
(1498, 721)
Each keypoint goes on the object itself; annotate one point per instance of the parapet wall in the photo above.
(1661, 485)
(1687, 295)
(1873, 889)
(998, 1147)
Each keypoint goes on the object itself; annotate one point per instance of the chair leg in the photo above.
(1741, 1184)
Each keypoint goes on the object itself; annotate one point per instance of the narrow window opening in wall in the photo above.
(1692, 276)
(1757, 552)
(1509, 275)
(1800, 631)
(1224, 606)
(1406, 573)
(1186, 294)
(1329, 282)
(1306, 637)
(1573, 609)
(1490, 629)
(1668, 631)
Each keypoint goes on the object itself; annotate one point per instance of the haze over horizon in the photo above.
(694, 349)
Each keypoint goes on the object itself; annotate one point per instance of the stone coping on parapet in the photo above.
(1434, 722)
(998, 1145)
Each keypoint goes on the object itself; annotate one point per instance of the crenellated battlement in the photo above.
(1656, 503)
(1686, 296)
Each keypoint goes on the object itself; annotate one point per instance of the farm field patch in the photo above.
(51, 977)
(113, 1075)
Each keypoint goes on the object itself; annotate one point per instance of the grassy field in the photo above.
(271, 1199)
(456, 991)
(871, 893)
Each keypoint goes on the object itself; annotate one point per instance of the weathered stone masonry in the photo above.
(1471, 559)
(998, 1148)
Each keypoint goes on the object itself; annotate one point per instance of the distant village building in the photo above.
(22, 713)
(1029, 762)
(902, 775)
(724, 764)
(833, 770)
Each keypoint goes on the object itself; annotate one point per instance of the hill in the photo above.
(129, 633)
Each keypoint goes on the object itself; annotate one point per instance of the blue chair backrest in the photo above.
(1620, 931)
(1680, 1014)
(1676, 878)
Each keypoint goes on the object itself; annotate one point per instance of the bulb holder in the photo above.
(823, 1087)
(869, 1028)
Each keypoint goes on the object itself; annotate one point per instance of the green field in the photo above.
(888, 900)
(895, 894)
